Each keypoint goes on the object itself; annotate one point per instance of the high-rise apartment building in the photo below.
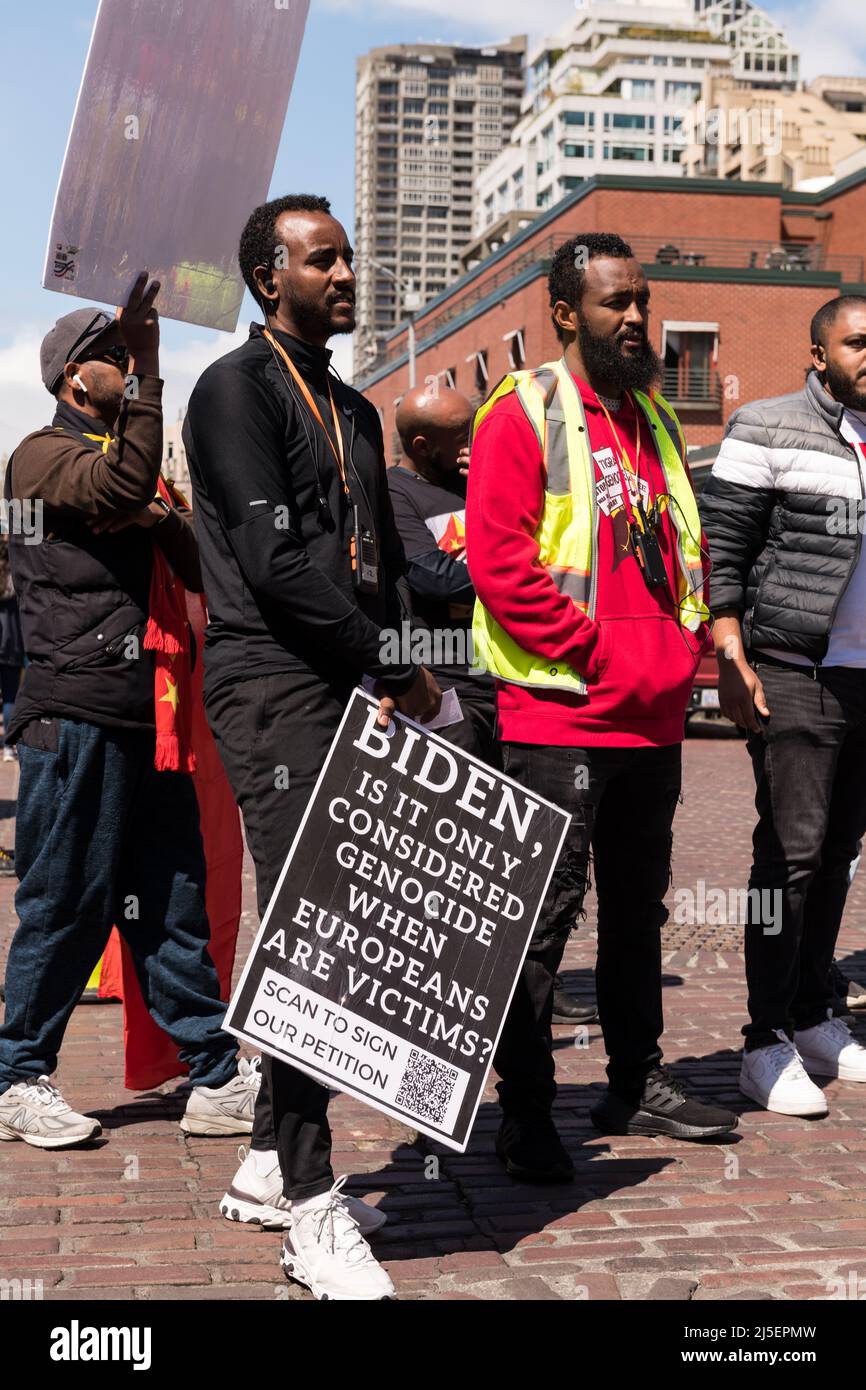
(428, 119)
(607, 94)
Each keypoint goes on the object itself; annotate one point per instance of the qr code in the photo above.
(426, 1087)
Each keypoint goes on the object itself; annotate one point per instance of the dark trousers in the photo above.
(622, 803)
(102, 838)
(264, 727)
(809, 761)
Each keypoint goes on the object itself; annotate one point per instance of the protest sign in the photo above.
(390, 949)
(172, 145)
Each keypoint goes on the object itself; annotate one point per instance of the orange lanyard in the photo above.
(338, 449)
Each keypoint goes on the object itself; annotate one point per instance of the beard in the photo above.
(605, 360)
(844, 390)
(316, 317)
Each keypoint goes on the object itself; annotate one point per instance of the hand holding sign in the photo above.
(139, 326)
(421, 701)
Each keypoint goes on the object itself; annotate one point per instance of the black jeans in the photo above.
(262, 726)
(809, 762)
(622, 803)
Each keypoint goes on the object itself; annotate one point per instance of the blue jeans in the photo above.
(103, 838)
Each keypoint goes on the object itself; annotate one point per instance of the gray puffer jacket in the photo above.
(783, 513)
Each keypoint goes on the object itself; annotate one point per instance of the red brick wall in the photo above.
(763, 342)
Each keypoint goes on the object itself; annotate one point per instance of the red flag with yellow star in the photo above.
(167, 636)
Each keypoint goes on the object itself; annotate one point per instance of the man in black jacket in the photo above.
(283, 457)
(102, 837)
(784, 515)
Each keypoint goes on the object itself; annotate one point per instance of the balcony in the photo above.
(698, 388)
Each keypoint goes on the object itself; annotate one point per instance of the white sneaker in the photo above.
(8, 754)
(36, 1112)
(256, 1196)
(774, 1077)
(324, 1250)
(225, 1109)
(828, 1049)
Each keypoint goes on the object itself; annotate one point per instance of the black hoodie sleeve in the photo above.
(238, 428)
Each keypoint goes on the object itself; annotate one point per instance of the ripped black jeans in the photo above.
(622, 802)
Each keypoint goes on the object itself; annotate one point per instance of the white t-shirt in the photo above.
(848, 635)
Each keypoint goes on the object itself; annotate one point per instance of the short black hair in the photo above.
(565, 280)
(827, 315)
(258, 238)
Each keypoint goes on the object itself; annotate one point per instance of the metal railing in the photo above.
(709, 253)
(699, 386)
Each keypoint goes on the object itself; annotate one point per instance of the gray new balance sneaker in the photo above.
(225, 1109)
(36, 1112)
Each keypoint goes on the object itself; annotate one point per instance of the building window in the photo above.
(628, 120)
(516, 349)
(584, 118)
(479, 359)
(672, 154)
(690, 356)
(585, 151)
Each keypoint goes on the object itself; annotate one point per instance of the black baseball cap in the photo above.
(71, 337)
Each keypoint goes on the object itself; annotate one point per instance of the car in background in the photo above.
(705, 691)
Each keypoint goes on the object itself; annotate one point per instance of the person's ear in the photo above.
(819, 357)
(263, 277)
(566, 316)
(72, 377)
(421, 446)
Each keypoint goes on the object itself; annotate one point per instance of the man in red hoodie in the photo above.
(585, 550)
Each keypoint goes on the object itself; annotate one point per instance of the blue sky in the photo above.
(45, 47)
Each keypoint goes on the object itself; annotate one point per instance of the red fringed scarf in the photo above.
(167, 636)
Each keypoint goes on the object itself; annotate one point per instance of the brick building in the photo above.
(736, 271)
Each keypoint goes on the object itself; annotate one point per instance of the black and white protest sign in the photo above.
(390, 949)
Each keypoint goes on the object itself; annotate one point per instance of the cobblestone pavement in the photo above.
(779, 1212)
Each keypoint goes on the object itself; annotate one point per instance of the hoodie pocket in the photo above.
(648, 667)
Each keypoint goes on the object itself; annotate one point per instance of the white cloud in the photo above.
(829, 38)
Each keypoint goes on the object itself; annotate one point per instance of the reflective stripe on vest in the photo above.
(567, 534)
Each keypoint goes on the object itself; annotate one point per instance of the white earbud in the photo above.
(76, 381)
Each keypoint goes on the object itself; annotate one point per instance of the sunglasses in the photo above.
(118, 354)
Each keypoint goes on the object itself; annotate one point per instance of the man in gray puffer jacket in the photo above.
(784, 514)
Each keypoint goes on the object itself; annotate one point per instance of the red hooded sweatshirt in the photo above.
(639, 659)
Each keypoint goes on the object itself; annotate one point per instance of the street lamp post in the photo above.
(411, 305)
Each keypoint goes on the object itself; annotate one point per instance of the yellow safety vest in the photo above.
(567, 535)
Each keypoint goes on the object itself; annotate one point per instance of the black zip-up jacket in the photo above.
(778, 510)
(277, 569)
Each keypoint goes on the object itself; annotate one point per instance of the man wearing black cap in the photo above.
(107, 828)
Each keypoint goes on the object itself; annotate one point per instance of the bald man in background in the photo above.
(428, 497)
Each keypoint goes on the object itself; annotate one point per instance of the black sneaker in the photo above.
(532, 1150)
(7, 863)
(566, 1009)
(664, 1108)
